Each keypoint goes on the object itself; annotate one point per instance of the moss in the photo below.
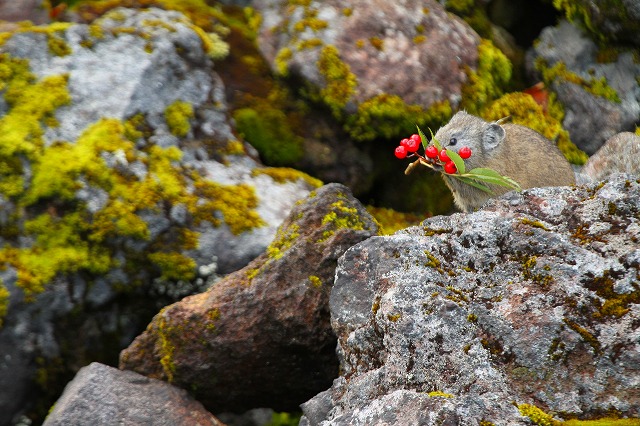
(341, 217)
(284, 239)
(4, 303)
(472, 318)
(388, 116)
(419, 39)
(394, 317)
(536, 415)
(529, 264)
(440, 394)
(534, 224)
(309, 43)
(177, 116)
(340, 82)
(473, 13)
(174, 266)
(524, 110)
(58, 46)
(586, 335)
(391, 221)
(315, 281)
(285, 174)
(377, 43)
(216, 48)
(166, 347)
(615, 305)
(488, 81)
(268, 131)
(282, 59)
(559, 73)
(433, 261)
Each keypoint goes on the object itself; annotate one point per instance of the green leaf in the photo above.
(473, 183)
(435, 141)
(482, 171)
(425, 141)
(457, 160)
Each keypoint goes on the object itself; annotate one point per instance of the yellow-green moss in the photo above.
(268, 131)
(473, 13)
(214, 46)
(285, 174)
(340, 82)
(4, 302)
(177, 116)
(536, 415)
(309, 43)
(440, 394)
(391, 221)
(166, 347)
(341, 217)
(419, 39)
(284, 239)
(377, 43)
(388, 116)
(315, 281)
(606, 421)
(282, 59)
(559, 73)
(489, 80)
(174, 266)
(523, 109)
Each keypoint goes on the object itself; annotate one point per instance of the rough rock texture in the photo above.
(120, 175)
(261, 336)
(534, 300)
(23, 10)
(101, 395)
(617, 22)
(566, 44)
(620, 154)
(373, 39)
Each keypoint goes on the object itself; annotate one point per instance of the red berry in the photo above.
(416, 138)
(431, 151)
(404, 142)
(412, 145)
(444, 157)
(464, 152)
(401, 152)
(450, 167)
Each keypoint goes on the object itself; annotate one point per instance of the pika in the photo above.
(510, 149)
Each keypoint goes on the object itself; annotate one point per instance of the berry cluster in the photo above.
(409, 148)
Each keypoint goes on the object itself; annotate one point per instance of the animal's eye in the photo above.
(453, 141)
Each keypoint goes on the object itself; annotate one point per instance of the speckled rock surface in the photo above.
(535, 300)
(374, 39)
(101, 395)
(261, 336)
(571, 46)
(619, 154)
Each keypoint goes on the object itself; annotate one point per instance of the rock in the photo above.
(619, 154)
(24, 10)
(530, 304)
(261, 336)
(101, 395)
(411, 49)
(605, 92)
(617, 23)
(123, 189)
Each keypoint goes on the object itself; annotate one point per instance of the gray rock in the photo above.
(103, 395)
(568, 45)
(129, 63)
(533, 300)
(619, 154)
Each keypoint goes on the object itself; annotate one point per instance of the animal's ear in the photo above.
(492, 136)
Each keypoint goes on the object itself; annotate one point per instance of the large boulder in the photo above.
(120, 175)
(261, 337)
(102, 395)
(619, 154)
(589, 82)
(526, 308)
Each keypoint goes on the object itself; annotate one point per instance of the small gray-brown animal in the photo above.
(512, 150)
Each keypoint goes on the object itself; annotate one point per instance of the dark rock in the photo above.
(102, 395)
(532, 301)
(261, 336)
